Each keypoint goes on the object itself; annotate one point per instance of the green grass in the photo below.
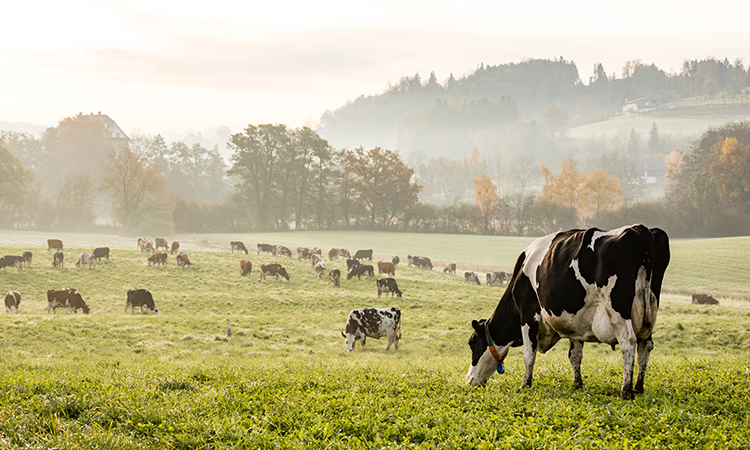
(283, 380)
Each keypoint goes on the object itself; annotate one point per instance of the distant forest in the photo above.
(493, 107)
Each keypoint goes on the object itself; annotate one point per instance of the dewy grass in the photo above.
(283, 380)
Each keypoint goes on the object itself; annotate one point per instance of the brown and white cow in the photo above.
(320, 269)
(471, 277)
(86, 259)
(140, 297)
(315, 259)
(334, 276)
(318, 250)
(274, 269)
(12, 299)
(703, 299)
(336, 252)
(66, 297)
(303, 253)
(174, 248)
(387, 268)
(375, 323)
(245, 267)
(148, 246)
(158, 258)
(450, 268)
(161, 243)
(182, 260)
(57, 244)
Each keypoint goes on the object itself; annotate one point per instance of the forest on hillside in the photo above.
(493, 107)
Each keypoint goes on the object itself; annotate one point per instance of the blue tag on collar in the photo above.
(500, 368)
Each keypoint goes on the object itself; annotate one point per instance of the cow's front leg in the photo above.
(644, 352)
(627, 340)
(575, 355)
(529, 333)
(364, 338)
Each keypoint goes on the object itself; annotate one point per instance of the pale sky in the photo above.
(157, 65)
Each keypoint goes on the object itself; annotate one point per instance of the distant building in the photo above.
(639, 105)
(652, 170)
(114, 130)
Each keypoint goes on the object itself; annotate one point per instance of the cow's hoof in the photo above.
(578, 385)
(627, 394)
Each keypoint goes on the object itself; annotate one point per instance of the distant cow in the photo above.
(336, 252)
(363, 254)
(450, 268)
(158, 258)
(396, 260)
(12, 299)
(26, 258)
(320, 269)
(315, 259)
(351, 262)
(141, 241)
(427, 263)
(334, 276)
(496, 278)
(317, 250)
(101, 252)
(374, 323)
(245, 267)
(237, 245)
(362, 269)
(704, 299)
(182, 260)
(86, 259)
(274, 269)
(386, 267)
(389, 286)
(148, 246)
(303, 253)
(471, 277)
(176, 246)
(10, 261)
(140, 297)
(66, 297)
(266, 248)
(283, 251)
(57, 260)
(161, 243)
(57, 244)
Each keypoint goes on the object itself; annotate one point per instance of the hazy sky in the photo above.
(176, 65)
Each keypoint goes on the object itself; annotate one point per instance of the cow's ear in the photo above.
(477, 327)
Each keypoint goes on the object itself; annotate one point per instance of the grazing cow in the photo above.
(140, 297)
(704, 299)
(344, 253)
(57, 244)
(584, 286)
(274, 269)
(496, 278)
(303, 253)
(351, 262)
(410, 260)
(57, 260)
(245, 267)
(315, 259)
(450, 268)
(396, 260)
(362, 269)
(176, 246)
(101, 252)
(148, 246)
(182, 260)
(334, 276)
(141, 241)
(159, 258)
(333, 253)
(26, 258)
(386, 267)
(471, 277)
(161, 243)
(421, 262)
(426, 263)
(237, 245)
(283, 251)
(266, 248)
(183, 251)
(66, 297)
(363, 254)
(318, 251)
(320, 269)
(12, 300)
(388, 285)
(374, 323)
(86, 259)
(10, 261)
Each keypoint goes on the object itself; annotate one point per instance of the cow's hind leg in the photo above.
(627, 340)
(529, 333)
(644, 352)
(575, 355)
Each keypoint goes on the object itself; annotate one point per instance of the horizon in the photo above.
(168, 67)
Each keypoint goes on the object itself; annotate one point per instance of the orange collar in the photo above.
(491, 345)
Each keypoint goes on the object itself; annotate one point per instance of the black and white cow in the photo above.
(101, 252)
(584, 286)
(362, 269)
(240, 247)
(351, 262)
(374, 323)
(388, 286)
(142, 298)
(363, 254)
(11, 261)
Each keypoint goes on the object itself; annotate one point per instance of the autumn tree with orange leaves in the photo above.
(485, 196)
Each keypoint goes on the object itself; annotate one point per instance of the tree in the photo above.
(485, 196)
(75, 201)
(140, 199)
(602, 193)
(565, 189)
(654, 142)
(15, 183)
(380, 181)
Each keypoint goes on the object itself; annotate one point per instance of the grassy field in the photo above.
(283, 380)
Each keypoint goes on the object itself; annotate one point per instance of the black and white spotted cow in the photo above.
(388, 286)
(374, 323)
(584, 286)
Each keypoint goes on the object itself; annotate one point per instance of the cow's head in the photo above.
(85, 308)
(483, 362)
(285, 274)
(349, 339)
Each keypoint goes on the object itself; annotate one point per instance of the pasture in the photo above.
(283, 380)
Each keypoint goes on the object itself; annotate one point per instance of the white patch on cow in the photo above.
(486, 366)
(644, 309)
(598, 234)
(534, 256)
(529, 353)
